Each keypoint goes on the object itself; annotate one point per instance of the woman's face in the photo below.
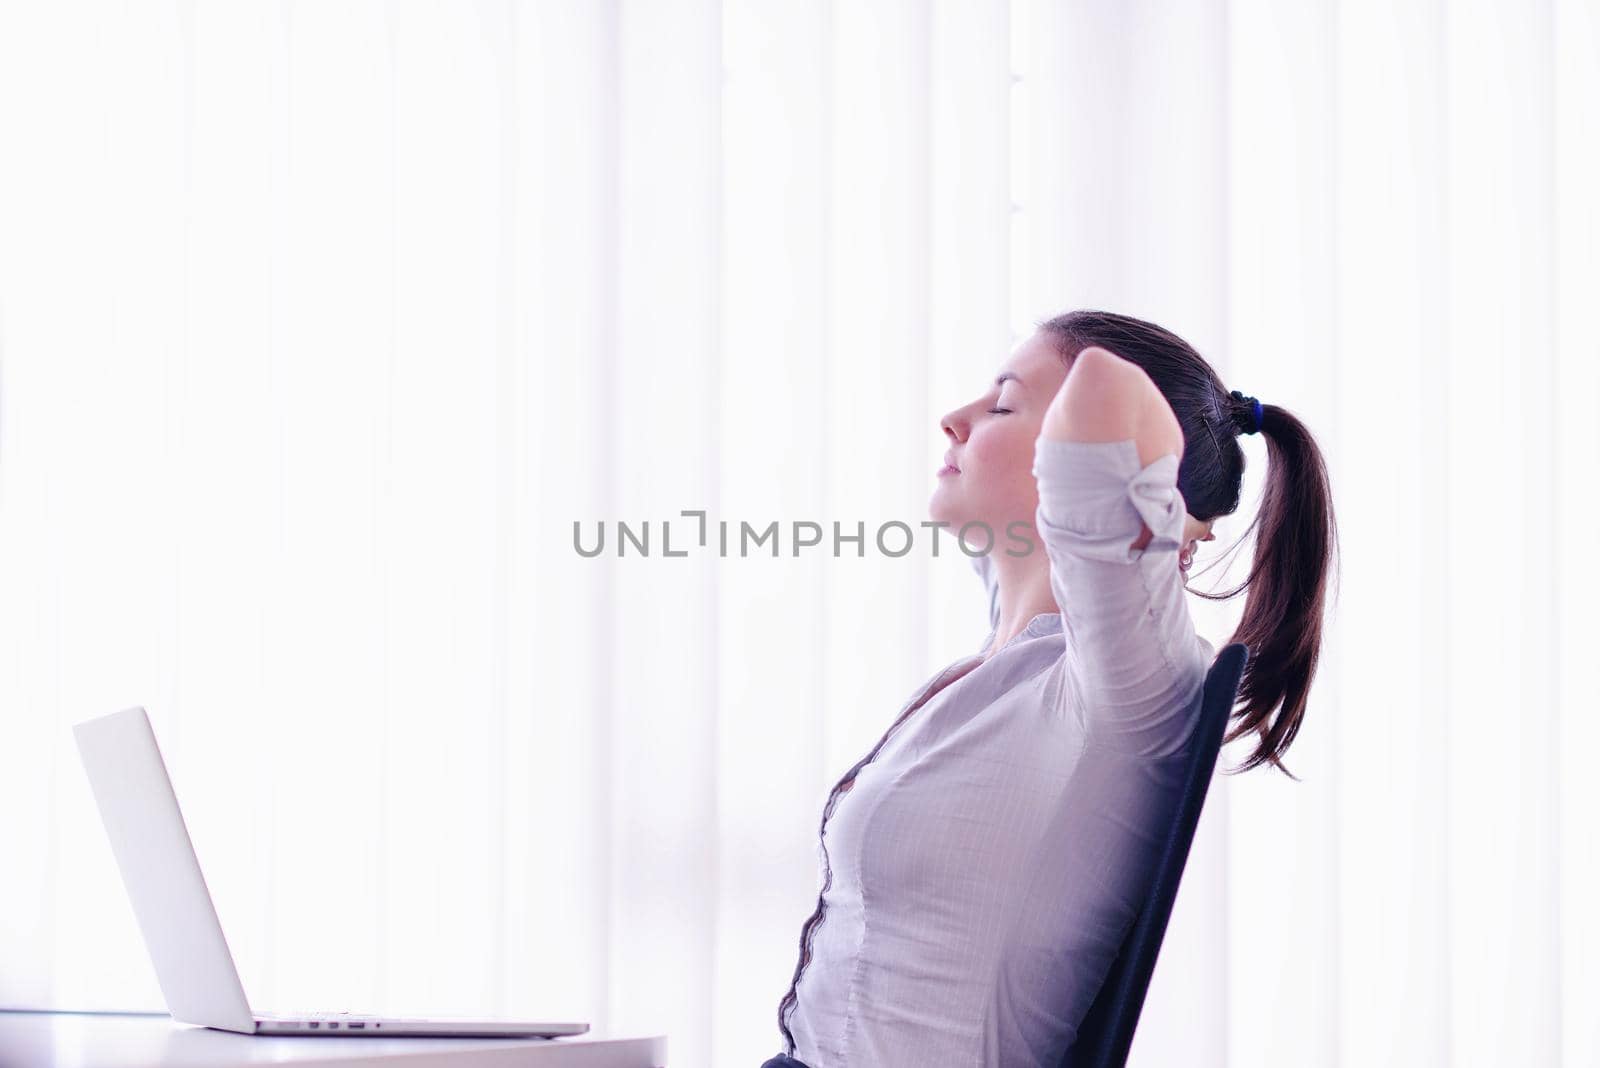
(991, 440)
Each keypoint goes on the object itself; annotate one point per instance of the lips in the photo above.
(950, 461)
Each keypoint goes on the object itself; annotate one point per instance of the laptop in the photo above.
(177, 918)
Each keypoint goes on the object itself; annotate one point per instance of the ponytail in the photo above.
(1287, 585)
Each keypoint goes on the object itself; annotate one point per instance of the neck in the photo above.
(1023, 594)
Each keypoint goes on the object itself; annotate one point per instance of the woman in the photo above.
(982, 863)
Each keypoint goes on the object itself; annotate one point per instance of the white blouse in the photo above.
(986, 863)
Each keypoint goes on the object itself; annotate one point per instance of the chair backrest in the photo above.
(1107, 1030)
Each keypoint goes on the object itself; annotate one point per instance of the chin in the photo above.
(942, 510)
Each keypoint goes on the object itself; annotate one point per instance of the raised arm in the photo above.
(1107, 398)
(1112, 521)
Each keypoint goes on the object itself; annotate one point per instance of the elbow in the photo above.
(1099, 401)
(1108, 398)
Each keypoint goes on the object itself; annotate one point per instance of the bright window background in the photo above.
(321, 323)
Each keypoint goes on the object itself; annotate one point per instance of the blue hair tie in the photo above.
(1255, 409)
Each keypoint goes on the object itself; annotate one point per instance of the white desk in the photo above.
(74, 1040)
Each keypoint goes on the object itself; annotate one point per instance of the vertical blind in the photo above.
(321, 325)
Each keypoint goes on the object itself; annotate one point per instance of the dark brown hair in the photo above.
(1297, 537)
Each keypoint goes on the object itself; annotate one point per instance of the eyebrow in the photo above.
(1007, 374)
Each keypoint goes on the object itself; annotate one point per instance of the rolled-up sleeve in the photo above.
(1134, 663)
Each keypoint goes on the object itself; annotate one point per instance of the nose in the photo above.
(955, 425)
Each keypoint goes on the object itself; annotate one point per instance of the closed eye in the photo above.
(999, 411)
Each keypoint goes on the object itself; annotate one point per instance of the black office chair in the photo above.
(1107, 1030)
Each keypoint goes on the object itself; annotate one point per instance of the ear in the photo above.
(1195, 530)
